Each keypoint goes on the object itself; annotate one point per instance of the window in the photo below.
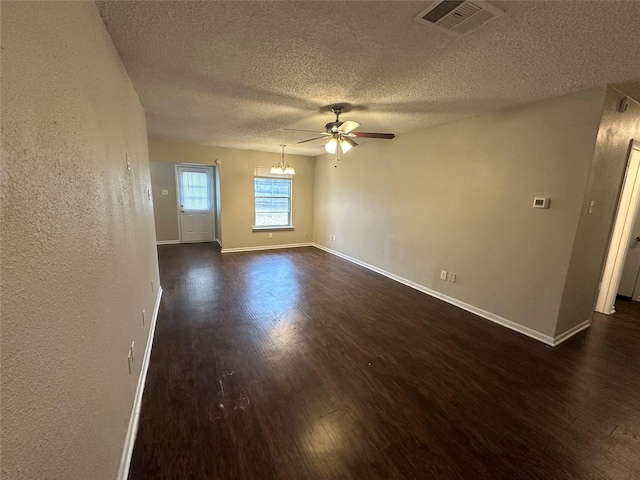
(195, 191)
(272, 199)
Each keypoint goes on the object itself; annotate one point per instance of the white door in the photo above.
(195, 198)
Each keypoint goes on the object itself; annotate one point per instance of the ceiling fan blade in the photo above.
(348, 126)
(349, 141)
(311, 139)
(386, 136)
(301, 130)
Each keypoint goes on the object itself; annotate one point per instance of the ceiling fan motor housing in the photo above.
(332, 127)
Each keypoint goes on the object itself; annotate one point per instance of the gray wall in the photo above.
(593, 235)
(163, 177)
(236, 190)
(459, 197)
(78, 244)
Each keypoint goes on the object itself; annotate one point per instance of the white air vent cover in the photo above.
(458, 17)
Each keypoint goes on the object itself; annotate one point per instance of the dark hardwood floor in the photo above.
(296, 364)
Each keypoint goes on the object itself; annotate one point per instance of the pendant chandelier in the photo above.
(281, 167)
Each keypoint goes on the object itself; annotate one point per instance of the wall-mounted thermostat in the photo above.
(541, 202)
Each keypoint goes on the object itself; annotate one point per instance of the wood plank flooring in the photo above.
(296, 364)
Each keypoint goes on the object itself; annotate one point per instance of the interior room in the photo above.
(320, 240)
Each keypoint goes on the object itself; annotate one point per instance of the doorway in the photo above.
(196, 203)
(621, 236)
(630, 279)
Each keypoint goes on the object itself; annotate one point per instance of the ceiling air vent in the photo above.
(458, 17)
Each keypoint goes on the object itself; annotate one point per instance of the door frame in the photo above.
(621, 232)
(212, 171)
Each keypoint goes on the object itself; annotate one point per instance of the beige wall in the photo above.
(593, 235)
(459, 197)
(236, 190)
(78, 245)
(163, 177)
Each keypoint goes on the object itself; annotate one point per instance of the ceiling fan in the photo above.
(341, 134)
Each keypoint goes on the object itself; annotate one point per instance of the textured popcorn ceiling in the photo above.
(236, 73)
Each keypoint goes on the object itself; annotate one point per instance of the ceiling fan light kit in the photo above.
(331, 146)
(344, 145)
(341, 134)
(281, 167)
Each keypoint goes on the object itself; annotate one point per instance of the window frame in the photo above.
(263, 172)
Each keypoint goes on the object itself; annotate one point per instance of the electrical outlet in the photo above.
(452, 277)
(443, 274)
(270, 235)
(149, 194)
(143, 314)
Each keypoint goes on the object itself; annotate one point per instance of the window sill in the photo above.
(268, 228)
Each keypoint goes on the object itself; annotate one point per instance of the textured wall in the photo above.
(236, 190)
(459, 197)
(163, 177)
(593, 235)
(78, 245)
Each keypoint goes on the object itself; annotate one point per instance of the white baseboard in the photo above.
(571, 332)
(167, 242)
(132, 431)
(465, 306)
(266, 247)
